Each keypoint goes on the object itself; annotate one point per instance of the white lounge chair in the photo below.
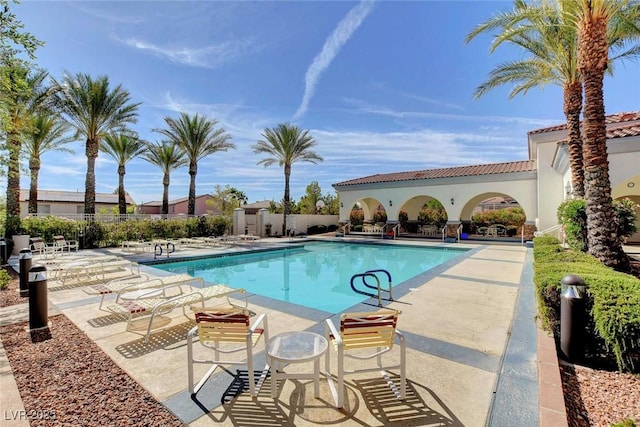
(162, 301)
(62, 244)
(96, 269)
(44, 250)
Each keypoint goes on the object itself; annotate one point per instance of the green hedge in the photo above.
(98, 234)
(612, 301)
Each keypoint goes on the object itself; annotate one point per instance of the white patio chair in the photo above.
(226, 331)
(373, 331)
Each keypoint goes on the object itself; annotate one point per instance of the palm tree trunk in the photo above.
(601, 221)
(122, 201)
(165, 194)
(193, 171)
(90, 180)
(287, 196)
(13, 186)
(34, 167)
(572, 107)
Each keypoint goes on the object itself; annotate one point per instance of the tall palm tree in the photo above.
(595, 20)
(93, 109)
(198, 137)
(285, 145)
(543, 32)
(23, 94)
(167, 156)
(48, 133)
(122, 147)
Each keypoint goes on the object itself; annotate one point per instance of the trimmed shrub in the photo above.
(4, 280)
(612, 301)
(317, 229)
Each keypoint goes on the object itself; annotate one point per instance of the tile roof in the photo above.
(611, 119)
(473, 170)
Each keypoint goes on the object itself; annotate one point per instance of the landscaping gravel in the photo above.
(599, 398)
(68, 380)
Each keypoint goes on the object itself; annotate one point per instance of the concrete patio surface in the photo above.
(471, 351)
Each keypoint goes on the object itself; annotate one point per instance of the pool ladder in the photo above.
(378, 288)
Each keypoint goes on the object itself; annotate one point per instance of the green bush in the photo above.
(507, 216)
(4, 279)
(356, 217)
(48, 226)
(572, 214)
(612, 301)
(98, 234)
(317, 229)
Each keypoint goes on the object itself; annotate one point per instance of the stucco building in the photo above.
(538, 184)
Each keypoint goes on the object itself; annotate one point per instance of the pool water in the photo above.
(317, 275)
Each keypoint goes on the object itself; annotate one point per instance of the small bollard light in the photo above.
(24, 264)
(572, 316)
(4, 251)
(38, 304)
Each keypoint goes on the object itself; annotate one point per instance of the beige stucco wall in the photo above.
(465, 194)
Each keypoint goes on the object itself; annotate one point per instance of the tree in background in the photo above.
(16, 87)
(238, 196)
(167, 156)
(47, 133)
(550, 42)
(548, 34)
(227, 198)
(331, 204)
(23, 95)
(286, 144)
(198, 137)
(310, 199)
(597, 22)
(94, 110)
(122, 147)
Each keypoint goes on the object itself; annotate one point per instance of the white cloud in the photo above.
(331, 48)
(211, 56)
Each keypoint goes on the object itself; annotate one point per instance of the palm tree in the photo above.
(198, 138)
(122, 147)
(238, 196)
(543, 32)
(601, 24)
(167, 156)
(93, 109)
(23, 94)
(48, 133)
(285, 145)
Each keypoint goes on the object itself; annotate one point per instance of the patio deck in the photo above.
(471, 352)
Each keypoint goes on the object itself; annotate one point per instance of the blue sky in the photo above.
(382, 86)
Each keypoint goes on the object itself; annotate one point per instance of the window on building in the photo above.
(80, 209)
(44, 209)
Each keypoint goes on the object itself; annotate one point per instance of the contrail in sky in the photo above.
(332, 46)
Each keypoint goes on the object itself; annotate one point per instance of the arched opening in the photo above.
(423, 216)
(630, 189)
(493, 216)
(367, 215)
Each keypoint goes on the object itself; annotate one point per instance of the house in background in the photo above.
(180, 206)
(253, 208)
(61, 203)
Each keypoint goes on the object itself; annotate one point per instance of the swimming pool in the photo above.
(316, 275)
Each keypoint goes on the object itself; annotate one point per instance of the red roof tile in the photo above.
(611, 119)
(473, 170)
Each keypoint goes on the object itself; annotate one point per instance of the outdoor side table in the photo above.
(295, 347)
